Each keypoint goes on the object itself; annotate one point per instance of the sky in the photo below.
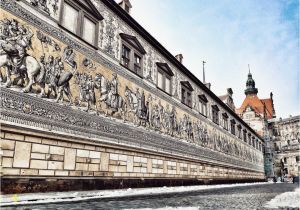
(229, 35)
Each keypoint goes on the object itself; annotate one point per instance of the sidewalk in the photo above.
(57, 197)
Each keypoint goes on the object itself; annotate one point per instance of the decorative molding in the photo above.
(27, 110)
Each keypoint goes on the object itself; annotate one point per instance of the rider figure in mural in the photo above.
(112, 99)
(17, 41)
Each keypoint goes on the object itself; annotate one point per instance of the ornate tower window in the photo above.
(164, 77)
(81, 18)
(186, 93)
(132, 54)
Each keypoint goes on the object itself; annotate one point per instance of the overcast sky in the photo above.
(229, 35)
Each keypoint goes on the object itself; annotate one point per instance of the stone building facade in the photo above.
(285, 138)
(88, 94)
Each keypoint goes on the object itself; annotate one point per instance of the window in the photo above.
(297, 158)
(70, 18)
(81, 18)
(186, 93)
(203, 104)
(137, 64)
(245, 135)
(249, 139)
(232, 126)
(215, 114)
(239, 129)
(285, 160)
(225, 120)
(164, 75)
(125, 59)
(132, 54)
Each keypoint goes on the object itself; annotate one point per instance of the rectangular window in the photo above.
(245, 136)
(232, 127)
(225, 121)
(89, 30)
(80, 21)
(297, 158)
(70, 18)
(215, 115)
(137, 64)
(168, 85)
(183, 95)
(125, 56)
(160, 82)
(189, 99)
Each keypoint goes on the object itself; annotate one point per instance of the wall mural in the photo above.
(32, 62)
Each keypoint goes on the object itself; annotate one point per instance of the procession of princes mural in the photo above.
(59, 75)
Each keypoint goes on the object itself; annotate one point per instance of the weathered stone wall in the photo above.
(28, 155)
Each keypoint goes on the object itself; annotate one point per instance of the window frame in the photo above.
(239, 129)
(232, 127)
(203, 105)
(165, 75)
(188, 96)
(225, 120)
(82, 13)
(215, 114)
(132, 53)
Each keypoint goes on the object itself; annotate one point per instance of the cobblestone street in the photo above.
(240, 197)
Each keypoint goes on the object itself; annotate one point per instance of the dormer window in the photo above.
(186, 93)
(164, 77)
(203, 104)
(215, 114)
(81, 19)
(132, 54)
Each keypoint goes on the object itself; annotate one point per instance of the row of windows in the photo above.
(77, 20)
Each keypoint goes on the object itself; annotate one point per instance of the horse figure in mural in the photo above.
(15, 39)
(109, 95)
(138, 106)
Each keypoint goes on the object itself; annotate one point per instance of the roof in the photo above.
(149, 38)
(257, 105)
(223, 97)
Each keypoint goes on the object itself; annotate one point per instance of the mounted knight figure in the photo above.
(15, 40)
(109, 94)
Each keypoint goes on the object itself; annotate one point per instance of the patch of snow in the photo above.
(287, 199)
(57, 197)
(169, 208)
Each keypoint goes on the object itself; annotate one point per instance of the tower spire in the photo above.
(250, 84)
(249, 68)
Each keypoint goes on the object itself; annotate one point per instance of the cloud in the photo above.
(229, 34)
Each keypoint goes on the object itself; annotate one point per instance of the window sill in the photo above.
(131, 70)
(169, 94)
(186, 105)
(95, 47)
(203, 114)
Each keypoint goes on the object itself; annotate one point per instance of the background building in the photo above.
(285, 139)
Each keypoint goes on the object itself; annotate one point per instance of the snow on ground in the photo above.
(170, 208)
(57, 197)
(287, 199)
